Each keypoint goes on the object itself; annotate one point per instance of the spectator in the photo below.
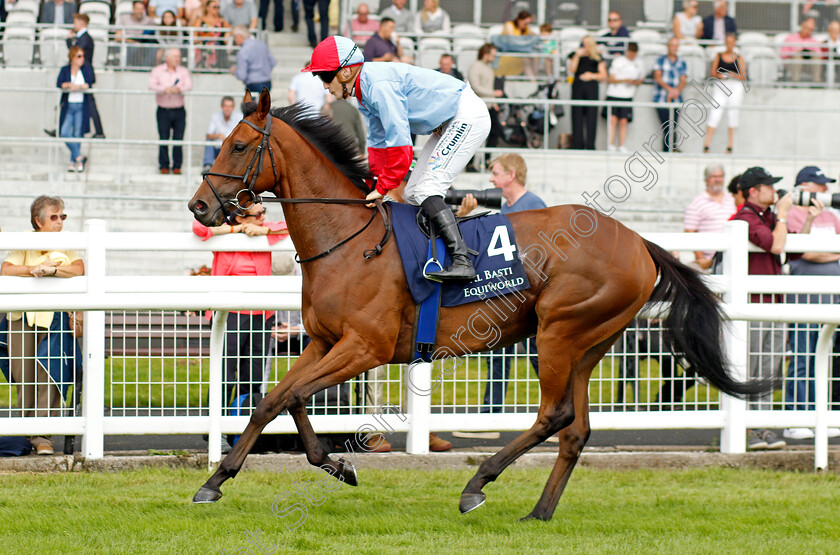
(669, 76)
(221, 125)
(804, 47)
(362, 27)
(402, 16)
(138, 56)
(483, 82)
(210, 37)
(74, 79)
(687, 24)
(309, 15)
(519, 27)
(278, 14)
(737, 194)
(718, 25)
(41, 388)
(78, 36)
(175, 6)
(64, 8)
(727, 66)
(447, 66)
(769, 233)
(508, 172)
(397, 100)
(308, 89)
(248, 331)
(617, 37)
(168, 35)
(799, 389)
(832, 47)
(348, 117)
(549, 47)
(432, 19)
(192, 10)
(709, 212)
(241, 12)
(254, 61)
(170, 80)
(588, 69)
(383, 46)
(624, 77)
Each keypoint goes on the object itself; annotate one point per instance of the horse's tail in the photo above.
(693, 328)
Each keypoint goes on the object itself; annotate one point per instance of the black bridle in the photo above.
(246, 198)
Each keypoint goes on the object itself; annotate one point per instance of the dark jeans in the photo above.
(171, 123)
(309, 15)
(94, 115)
(278, 13)
(495, 133)
(256, 88)
(246, 345)
(668, 132)
(498, 373)
(584, 118)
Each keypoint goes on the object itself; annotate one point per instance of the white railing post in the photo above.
(733, 437)
(217, 341)
(93, 389)
(418, 381)
(821, 380)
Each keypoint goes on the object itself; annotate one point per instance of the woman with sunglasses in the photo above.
(397, 100)
(75, 79)
(43, 380)
(247, 335)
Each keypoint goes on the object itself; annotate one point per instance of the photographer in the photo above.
(799, 389)
(768, 231)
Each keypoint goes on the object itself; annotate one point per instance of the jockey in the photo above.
(397, 100)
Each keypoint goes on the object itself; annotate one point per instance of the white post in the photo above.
(733, 436)
(823, 361)
(93, 389)
(217, 341)
(418, 381)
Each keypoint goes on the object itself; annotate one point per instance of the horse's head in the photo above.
(243, 169)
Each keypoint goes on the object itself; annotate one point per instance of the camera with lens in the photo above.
(488, 198)
(803, 198)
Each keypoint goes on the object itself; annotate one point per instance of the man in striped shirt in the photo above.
(709, 211)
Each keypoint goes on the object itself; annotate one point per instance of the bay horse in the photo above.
(589, 277)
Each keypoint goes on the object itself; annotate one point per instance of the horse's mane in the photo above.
(325, 135)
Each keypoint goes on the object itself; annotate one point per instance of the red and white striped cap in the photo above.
(335, 53)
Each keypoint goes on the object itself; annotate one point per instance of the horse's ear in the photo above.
(264, 103)
(248, 97)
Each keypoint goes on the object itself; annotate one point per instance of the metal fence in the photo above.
(151, 367)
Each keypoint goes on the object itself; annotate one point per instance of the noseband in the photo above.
(253, 170)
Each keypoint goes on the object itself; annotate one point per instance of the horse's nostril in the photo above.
(200, 208)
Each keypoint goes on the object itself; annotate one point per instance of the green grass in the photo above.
(693, 511)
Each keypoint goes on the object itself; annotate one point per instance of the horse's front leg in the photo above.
(271, 405)
(315, 452)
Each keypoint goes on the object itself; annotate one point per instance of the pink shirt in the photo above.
(788, 51)
(826, 222)
(706, 215)
(162, 78)
(371, 26)
(242, 263)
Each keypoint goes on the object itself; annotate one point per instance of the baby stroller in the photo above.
(523, 124)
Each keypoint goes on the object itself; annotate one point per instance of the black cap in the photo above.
(812, 174)
(756, 176)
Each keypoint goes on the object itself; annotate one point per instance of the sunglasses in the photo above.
(79, 56)
(613, 19)
(257, 215)
(56, 217)
(326, 76)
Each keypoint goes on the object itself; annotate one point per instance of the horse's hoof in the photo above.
(348, 472)
(207, 495)
(471, 501)
(532, 516)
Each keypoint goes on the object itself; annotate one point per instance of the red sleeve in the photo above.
(390, 165)
(276, 226)
(201, 230)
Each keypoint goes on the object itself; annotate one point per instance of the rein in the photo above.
(250, 197)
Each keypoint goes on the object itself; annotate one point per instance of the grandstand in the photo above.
(784, 125)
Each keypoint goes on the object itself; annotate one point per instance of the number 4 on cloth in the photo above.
(500, 243)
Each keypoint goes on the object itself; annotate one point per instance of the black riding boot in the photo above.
(462, 267)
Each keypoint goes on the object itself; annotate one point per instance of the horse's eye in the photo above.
(238, 148)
